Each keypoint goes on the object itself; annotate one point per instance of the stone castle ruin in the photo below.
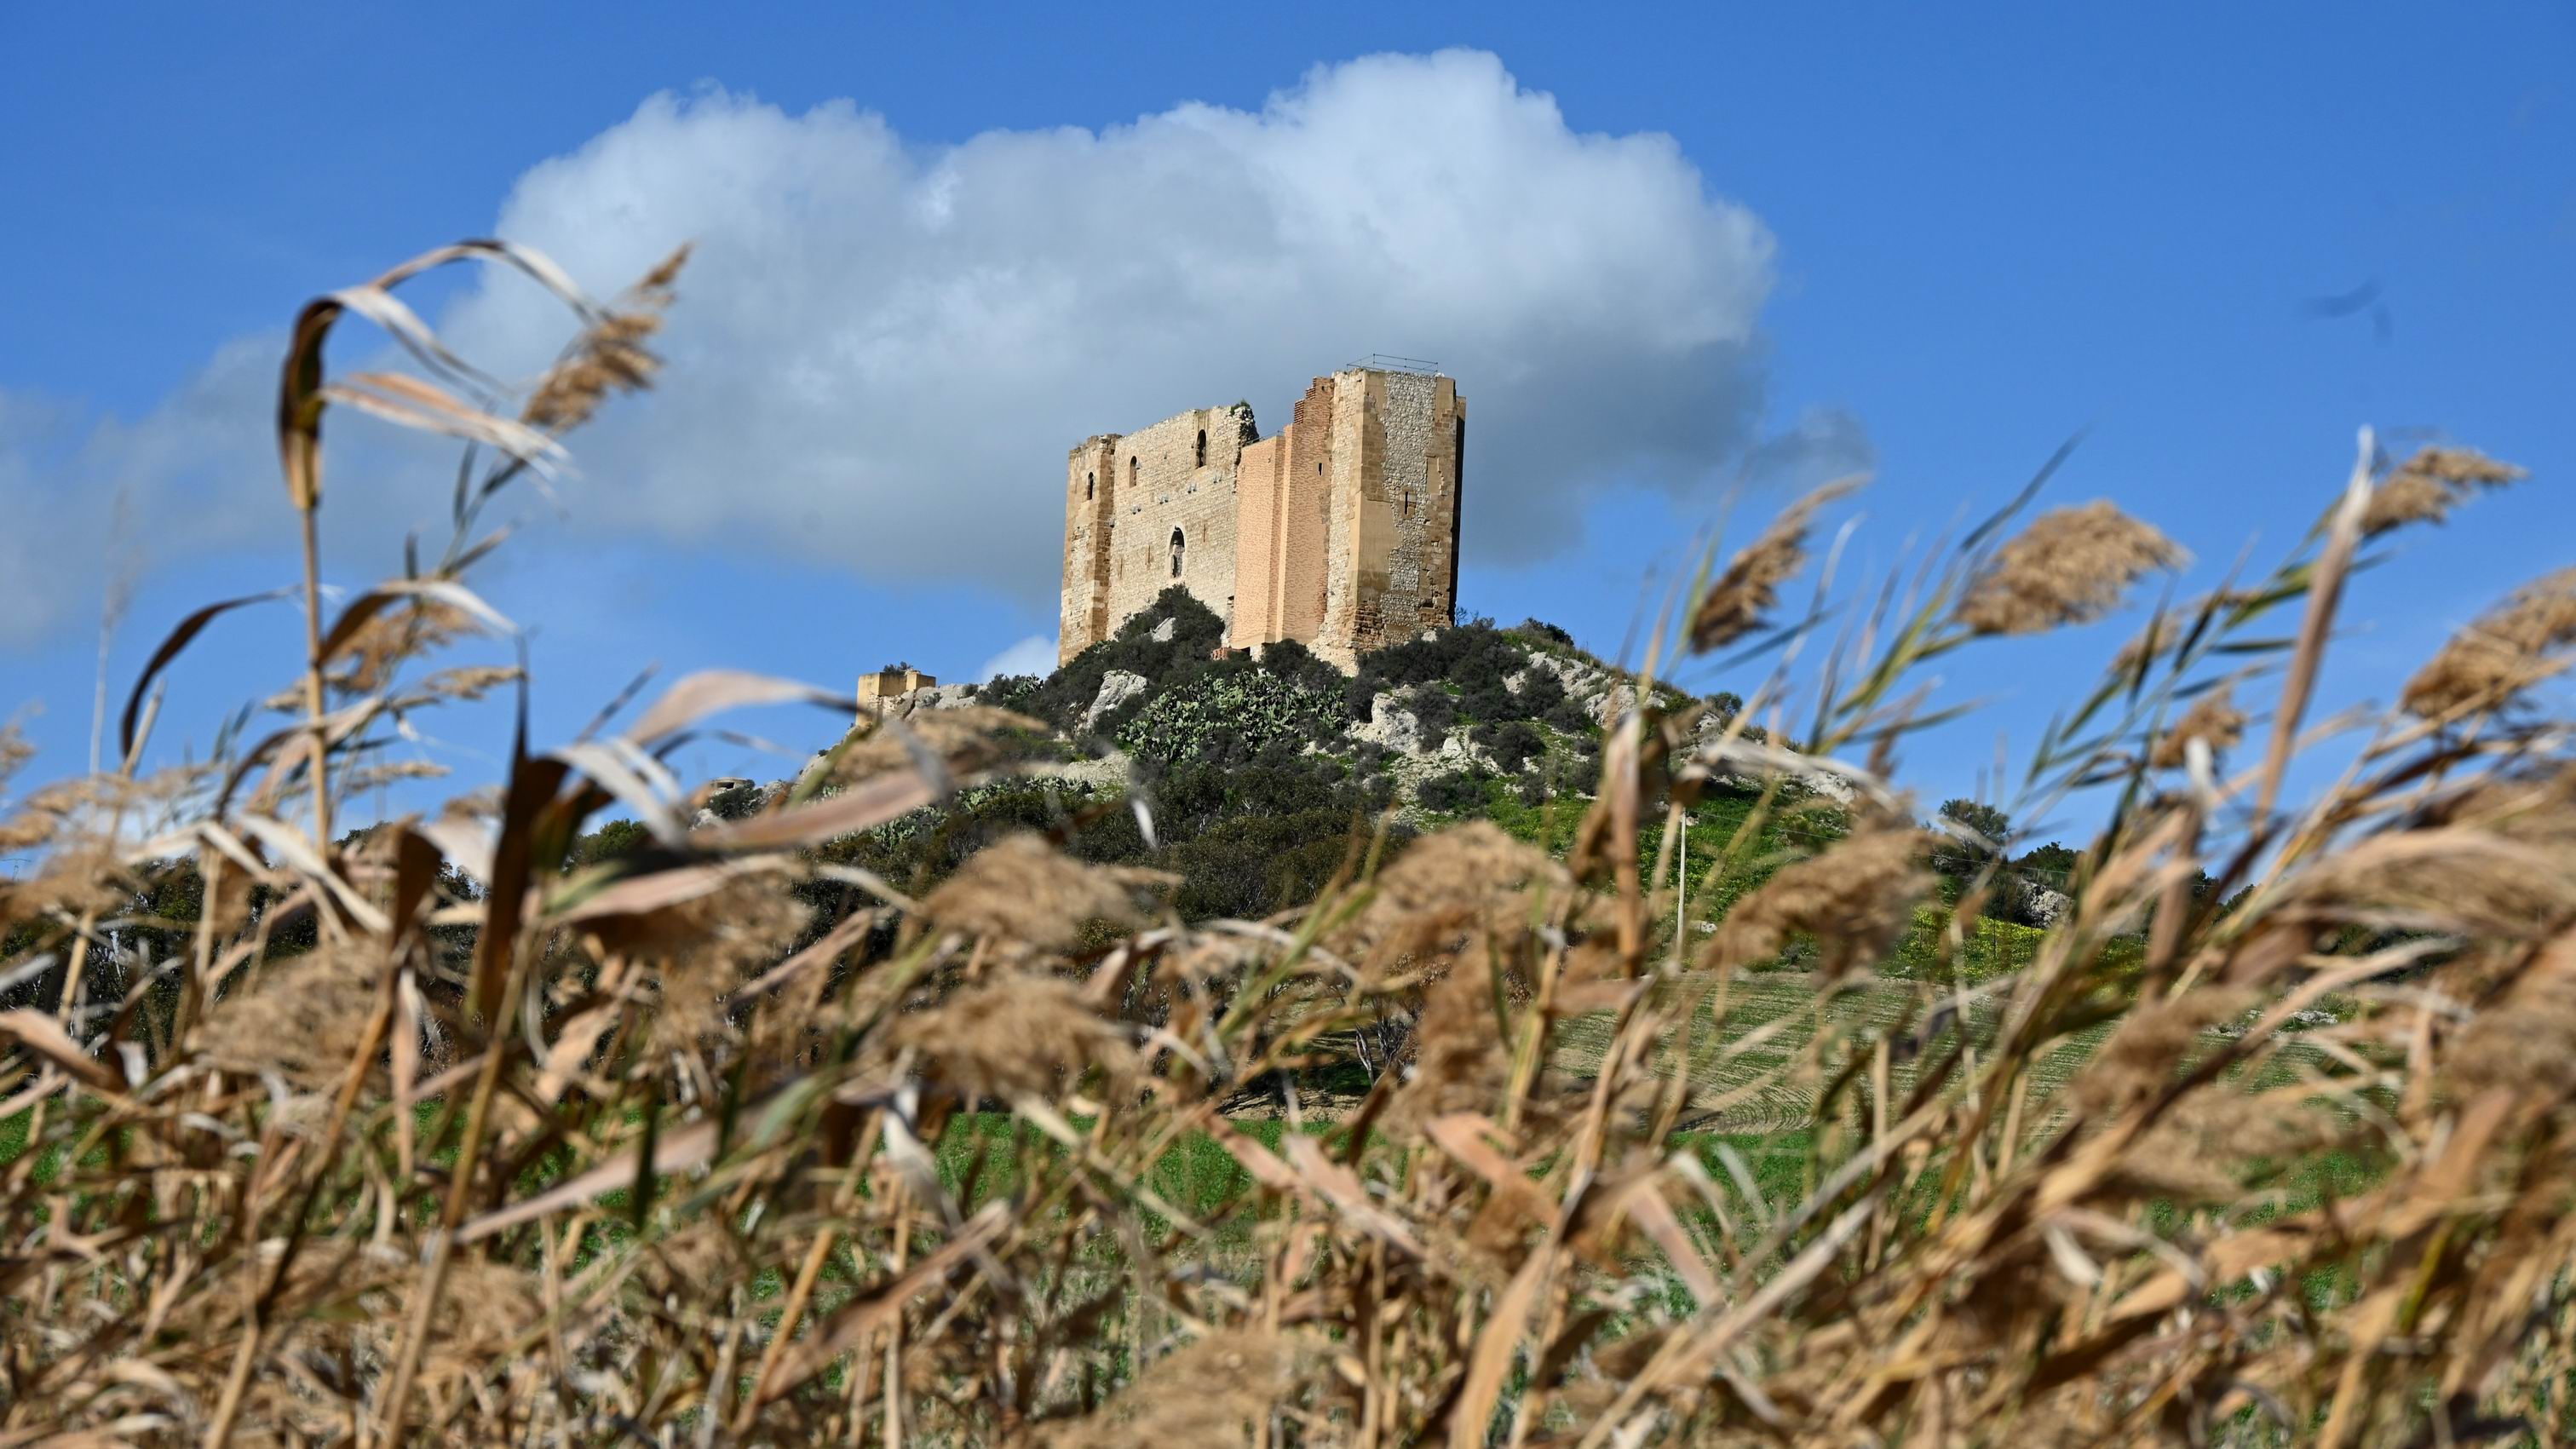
(1340, 531)
(880, 689)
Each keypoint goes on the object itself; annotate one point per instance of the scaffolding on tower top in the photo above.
(1390, 362)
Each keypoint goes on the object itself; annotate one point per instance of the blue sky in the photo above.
(945, 246)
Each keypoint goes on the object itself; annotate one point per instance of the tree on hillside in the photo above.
(1985, 820)
(1958, 855)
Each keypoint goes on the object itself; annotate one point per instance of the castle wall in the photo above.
(1391, 569)
(1259, 480)
(1340, 531)
(1284, 528)
(1407, 545)
(1082, 616)
(882, 687)
(1307, 545)
(1150, 485)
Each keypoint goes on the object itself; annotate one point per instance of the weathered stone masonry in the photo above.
(1341, 531)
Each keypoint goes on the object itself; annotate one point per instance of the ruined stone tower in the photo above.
(1341, 531)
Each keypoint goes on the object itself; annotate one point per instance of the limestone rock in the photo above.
(937, 696)
(1109, 772)
(1615, 704)
(1582, 682)
(2048, 907)
(734, 798)
(1392, 725)
(1116, 688)
(1163, 631)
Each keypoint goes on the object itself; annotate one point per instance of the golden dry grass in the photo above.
(431, 1133)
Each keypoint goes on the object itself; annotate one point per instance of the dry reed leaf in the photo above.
(2524, 1043)
(2071, 566)
(1017, 1036)
(1460, 1061)
(2213, 719)
(469, 683)
(1211, 1392)
(1734, 605)
(45, 1037)
(1022, 889)
(358, 779)
(303, 1019)
(676, 1151)
(1491, 1359)
(1943, 1261)
(712, 691)
(2486, 665)
(608, 358)
(699, 949)
(412, 403)
(864, 806)
(2153, 1045)
(15, 752)
(2426, 487)
(41, 816)
(2459, 878)
(967, 739)
(1472, 879)
(1856, 900)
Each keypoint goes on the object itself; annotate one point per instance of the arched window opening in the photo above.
(1202, 448)
(1090, 484)
(1178, 543)
(1131, 470)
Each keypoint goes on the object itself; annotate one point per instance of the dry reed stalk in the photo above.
(357, 1147)
(2071, 566)
(1733, 606)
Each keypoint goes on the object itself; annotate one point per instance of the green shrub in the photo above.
(1230, 717)
(1458, 792)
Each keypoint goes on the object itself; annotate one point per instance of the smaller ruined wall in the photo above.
(883, 686)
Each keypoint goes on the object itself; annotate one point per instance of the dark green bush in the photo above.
(1460, 792)
(1197, 634)
(1512, 742)
(1432, 706)
(1229, 717)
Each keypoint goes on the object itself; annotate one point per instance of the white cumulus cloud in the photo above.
(883, 348)
(1033, 655)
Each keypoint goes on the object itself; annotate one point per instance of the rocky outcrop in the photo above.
(1117, 687)
(937, 696)
(1459, 751)
(1391, 725)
